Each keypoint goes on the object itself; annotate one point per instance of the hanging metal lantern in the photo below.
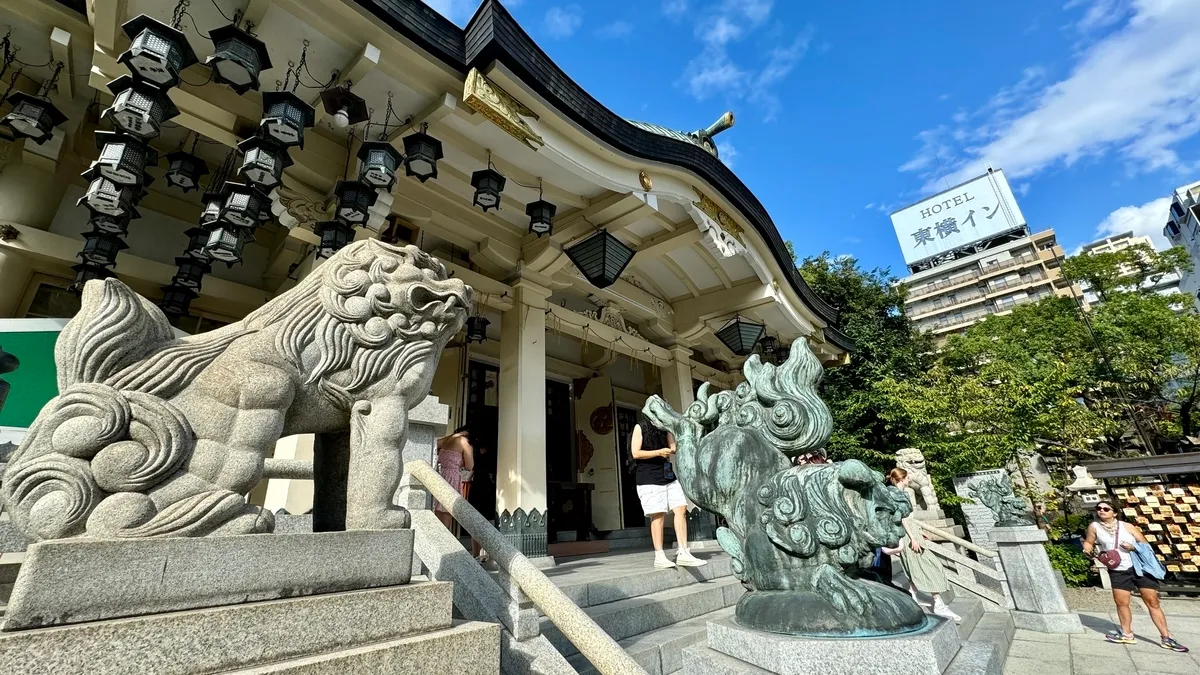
(101, 248)
(541, 217)
(354, 201)
(285, 117)
(263, 161)
(225, 244)
(421, 155)
(213, 201)
(379, 163)
(85, 272)
(334, 236)
(123, 158)
(242, 205)
(32, 117)
(488, 184)
(740, 335)
(176, 300)
(191, 272)
(197, 240)
(601, 257)
(184, 170)
(112, 224)
(238, 58)
(477, 329)
(139, 108)
(768, 347)
(345, 106)
(158, 52)
(105, 196)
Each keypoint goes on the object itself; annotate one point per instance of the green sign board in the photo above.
(35, 380)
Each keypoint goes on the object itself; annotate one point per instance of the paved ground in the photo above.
(1088, 653)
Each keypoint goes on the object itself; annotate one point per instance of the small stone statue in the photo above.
(796, 534)
(996, 493)
(152, 436)
(920, 487)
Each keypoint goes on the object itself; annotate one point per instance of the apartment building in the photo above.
(951, 297)
(1163, 285)
(1183, 229)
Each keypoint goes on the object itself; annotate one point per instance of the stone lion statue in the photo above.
(920, 487)
(996, 493)
(152, 436)
(796, 534)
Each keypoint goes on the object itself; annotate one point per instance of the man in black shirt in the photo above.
(659, 490)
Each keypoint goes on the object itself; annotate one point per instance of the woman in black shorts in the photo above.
(1114, 535)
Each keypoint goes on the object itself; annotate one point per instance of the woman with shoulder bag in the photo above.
(1131, 564)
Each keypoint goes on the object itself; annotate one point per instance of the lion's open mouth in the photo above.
(429, 302)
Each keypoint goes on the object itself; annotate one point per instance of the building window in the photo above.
(52, 302)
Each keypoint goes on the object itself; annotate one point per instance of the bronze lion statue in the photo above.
(797, 535)
(153, 436)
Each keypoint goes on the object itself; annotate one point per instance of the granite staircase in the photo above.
(653, 614)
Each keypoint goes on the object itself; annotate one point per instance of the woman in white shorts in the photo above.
(659, 490)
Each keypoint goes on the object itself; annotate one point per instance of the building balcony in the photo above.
(941, 305)
(1000, 285)
(933, 287)
(1020, 261)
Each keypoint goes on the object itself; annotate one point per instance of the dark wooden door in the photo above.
(631, 506)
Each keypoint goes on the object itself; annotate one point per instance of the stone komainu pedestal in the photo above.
(1040, 605)
(732, 648)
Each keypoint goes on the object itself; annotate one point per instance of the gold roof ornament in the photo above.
(506, 112)
(710, 208)
(644, 179)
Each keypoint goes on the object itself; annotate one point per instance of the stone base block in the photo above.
(465, 649)
(221, 639)
(74, 581)
(749, 651)
(1047, 623)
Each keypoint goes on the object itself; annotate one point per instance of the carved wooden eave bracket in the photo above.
(722, 235)
(506, 112)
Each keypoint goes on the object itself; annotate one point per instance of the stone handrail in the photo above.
(958, 540)
(961, 570)
(597, 646)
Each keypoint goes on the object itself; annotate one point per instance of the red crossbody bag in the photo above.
(1112, 559)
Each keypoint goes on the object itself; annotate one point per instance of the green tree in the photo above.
(871, 306)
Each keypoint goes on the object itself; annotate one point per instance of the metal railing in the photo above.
(943, 304)
(590, 639)
(1001, 284)
(922, 291)
(962, 570)
(1011, 262)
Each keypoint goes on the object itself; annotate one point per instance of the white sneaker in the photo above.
(943, 610)
(686, 559)
(661, 561)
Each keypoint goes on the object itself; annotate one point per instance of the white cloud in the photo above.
(727, 153)
(675, 8)
(1147, 219)
(1133, 92)
(714, 72)
(614, 30)
(562, 22)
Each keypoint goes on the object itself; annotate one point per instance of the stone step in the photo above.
(467, 648)
(996, 629)
(219, 639)
(595, 581)
(971, 610)
(660, 651)
(639, 615)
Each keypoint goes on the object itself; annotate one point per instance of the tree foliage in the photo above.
(885, 346)
(1047, 376)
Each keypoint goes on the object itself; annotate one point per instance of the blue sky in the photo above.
(849, 110)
